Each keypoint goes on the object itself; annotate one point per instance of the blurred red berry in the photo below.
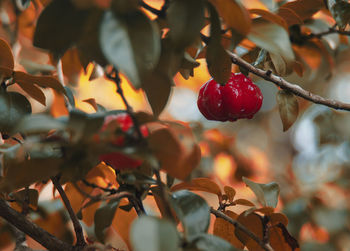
(117, 160)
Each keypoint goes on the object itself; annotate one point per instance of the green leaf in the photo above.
(153, 234)
(271, 37)
(267, 194)
(58, 34)
(157, 85)
(13, 106)
(185, 19)
(218, 61)
(208, 242)
(131, 43)
(104, 217)
(288, 108)
(187, 65)
(193, 212)
(70, 96)
(38, 123)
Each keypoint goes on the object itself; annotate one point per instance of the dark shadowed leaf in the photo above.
(234, 15)
(218, 61)
(288, 108)
(104, 217)
(340, 11)
(226, 230)
(267, 194)
(22, 4)
(131, 43)
(31, 196)
(124, 6)
(151, 233)
(13, 106)
(55, 33)
(271, 37)
(185, 19)
(71, 66)
(157, 87)
(21, 171)
(208, 242)
(193, 212)
(6, 57)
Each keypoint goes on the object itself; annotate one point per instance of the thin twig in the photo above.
(40, 235)
(114, 76)
(105, 189)
(295, 89)
(331, 30)
(77, 227)
(239, 226)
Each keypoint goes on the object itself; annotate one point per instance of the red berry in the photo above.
(239, 98)
(118, 160)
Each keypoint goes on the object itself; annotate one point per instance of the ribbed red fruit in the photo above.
(118, 160)
(239, 98)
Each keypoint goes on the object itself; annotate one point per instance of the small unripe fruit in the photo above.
(239, 98)
(117, 160)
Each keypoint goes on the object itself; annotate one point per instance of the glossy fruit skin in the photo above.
(117, 160)
(239, 98)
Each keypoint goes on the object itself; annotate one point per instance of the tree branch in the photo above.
(239, 226)
(40, 235)
(293, 88)
(77, 227)
(331, 30)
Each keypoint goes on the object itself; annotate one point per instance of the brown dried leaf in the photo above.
(226, 230)
(6, 57)
(234, 15)
(253, 222)
(92, 102)
(288, 108)
(230, 192)
(244, 202)
(33, 91)
(199, 184)
(270, 16)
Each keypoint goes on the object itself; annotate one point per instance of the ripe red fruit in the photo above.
(239, 98)
(117, 160)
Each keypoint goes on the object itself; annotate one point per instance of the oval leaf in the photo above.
(199, 184)
(267, 194)
(234, 15)
(151, 233)
(288, 108)
(6, 57)
(230, 192)
(104, 217)
(131, 43)
(253, 222)
(185, 19)
(193, 212)
(209, 242)
(226, 230)
(271, 37)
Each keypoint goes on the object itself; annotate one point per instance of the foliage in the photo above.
(173, 184)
